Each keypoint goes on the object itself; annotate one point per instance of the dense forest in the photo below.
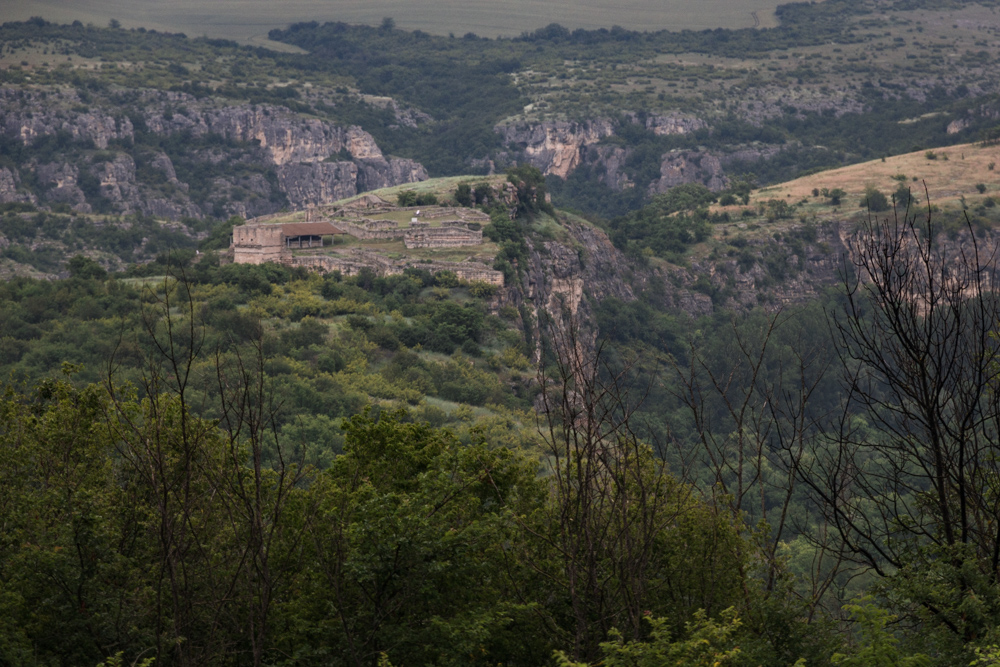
(243, 464)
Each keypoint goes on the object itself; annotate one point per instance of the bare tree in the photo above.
(910, 479)
(257, 485)
(614, 505)
(162, 445)
(756, 421)
(218, 490)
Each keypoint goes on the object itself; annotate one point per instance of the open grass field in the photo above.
(249, 20)
(953, 173)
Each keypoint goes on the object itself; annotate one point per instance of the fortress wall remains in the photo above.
(352, 265)
(373, 225)
(357, 231)
(347, 266)
(257, 244)
(442, 237)
(468, 272)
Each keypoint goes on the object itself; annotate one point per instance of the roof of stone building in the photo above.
(310, 229)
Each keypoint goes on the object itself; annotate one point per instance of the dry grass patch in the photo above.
(953, 173)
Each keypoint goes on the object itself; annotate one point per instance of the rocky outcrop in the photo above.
(679, 167)
(610, 161)
(162, 163)
(375, 174)
(676, 123)
(283, 136)
(30, 114)
(790, 267)
(298, 147)
(555, 147)
(9, 193)
(318, 183)
(563, 278)
(559, 147)
(750, 153)
(262, 157)
(59, 181)
(405, 116)
(987, 111)
(118, 181)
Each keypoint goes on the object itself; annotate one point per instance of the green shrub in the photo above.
(874, 200)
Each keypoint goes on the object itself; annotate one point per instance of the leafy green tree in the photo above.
(463, 194)
(834, 195)
(874, 200)
(686, 197)
(903, 197)
(84, 267)
(706, 643)
(529, 184)
(409, 549)
(71, 590)
(777, 209)
(878, 647)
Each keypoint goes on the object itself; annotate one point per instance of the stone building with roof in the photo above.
(260, 243)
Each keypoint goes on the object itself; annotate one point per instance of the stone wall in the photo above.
(360, 232)
(468, 272)
(347, 265)
(442, 237)
(352, 264)
(380, 225)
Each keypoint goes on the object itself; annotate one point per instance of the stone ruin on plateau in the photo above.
(303, 243)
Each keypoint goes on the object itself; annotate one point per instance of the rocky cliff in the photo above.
(564, 279)
(35, 113)
(555, 147)
(283, 136)
(680, 167)
(172, 155)
(560, 147)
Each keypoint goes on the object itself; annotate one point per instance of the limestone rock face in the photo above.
(674, 124)
(118, 181)
(60, 183)
(318, 183)
(171, 210)
(163, 163)
(29, 114)
(375, 174)
(562, 279)
(261, 158)
(9, 193)
(283, 136)
(679, 167)
(612, 159)
(555, 147)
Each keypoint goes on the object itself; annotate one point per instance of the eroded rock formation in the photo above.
(262, 157)
(555, 147)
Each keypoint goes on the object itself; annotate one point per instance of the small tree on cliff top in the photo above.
(531, 193)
